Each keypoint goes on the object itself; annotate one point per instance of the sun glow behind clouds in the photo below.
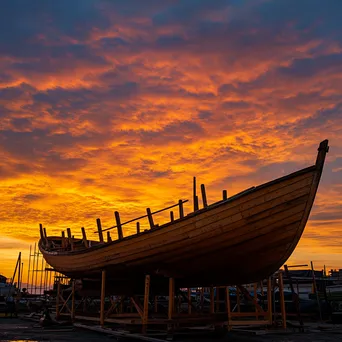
(116, 105)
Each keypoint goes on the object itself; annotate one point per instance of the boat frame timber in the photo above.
(249, 236)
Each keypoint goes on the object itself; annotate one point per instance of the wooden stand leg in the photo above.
(103, 293)
(145, 310)
(228, 309)
(171, 306)
(73, 302)
(282, 299)
(269, 300)
(57, 298)
(189, 301)
(212, 300)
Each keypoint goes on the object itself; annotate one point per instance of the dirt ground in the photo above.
(15, 329)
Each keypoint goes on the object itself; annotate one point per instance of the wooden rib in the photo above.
(195, 199)
(181, 209)
(224, 195)
(249, 214)
(251, 200)
(171, 216)
(84, 235)
(99, 229)
(118, 224)
(204, 196)
(138, 227)
(109, 238)
(150, 218)
(273, 209)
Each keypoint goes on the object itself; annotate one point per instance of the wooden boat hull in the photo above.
(239, 240)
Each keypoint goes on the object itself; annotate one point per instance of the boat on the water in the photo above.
(239, 239)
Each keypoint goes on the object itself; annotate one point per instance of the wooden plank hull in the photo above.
(240, 240)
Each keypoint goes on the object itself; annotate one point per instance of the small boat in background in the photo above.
(237, 240)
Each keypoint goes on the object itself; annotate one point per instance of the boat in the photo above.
(239, 239)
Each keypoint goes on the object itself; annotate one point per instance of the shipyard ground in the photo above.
(16, 329)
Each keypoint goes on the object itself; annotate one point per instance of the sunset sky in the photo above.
(116, 105)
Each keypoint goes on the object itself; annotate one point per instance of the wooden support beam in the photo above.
(84, 237)
(217, 299)
(269, 300)
(138, 227)
(212, 300)
(172, 218)
(315, 290)
(195, 198)
(171, 297)
(57, 298)
(146, 297)
(204, 196)
(181, 209)
(109, 238)
(103, 294)
(63, 239)
(150, 218)
(71, 242)
(238, 299)
(282, 299)
(229, 317)
(155, 304)
(224, 195)
(118, 225)
(137, 304)
(99, 229)
(255, 295)
(41, 231)
(45, 235)
(189, 300)
(73, 311)
(69, 234)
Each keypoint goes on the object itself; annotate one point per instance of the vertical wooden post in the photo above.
(138, 227)
(316, 290)
(57, 298)
(229, 314)
(41, 231)
(103, 294)
(204, 196)
(181, 209)
(255, 295)
(84, 236)
(99, 229)
(238, 298)
(189, 300)
(171, 305)
(145, 309)
(171, 297)
(155, 304)
(172, 218)
(71, 242)
(202, 298)
(109, 239)
(269, 300)
(224, 195)
(195, 198)
(212, 300)
(150, 218)
(282, 299)
(118, 223)
(73, 301)
(63, 239)
(217, 299)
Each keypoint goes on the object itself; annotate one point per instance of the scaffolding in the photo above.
(41, 277)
